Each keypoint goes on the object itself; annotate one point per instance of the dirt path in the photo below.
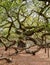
(26, 59)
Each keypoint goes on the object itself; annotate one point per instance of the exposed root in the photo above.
(9, 60)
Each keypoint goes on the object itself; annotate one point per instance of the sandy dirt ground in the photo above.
(41, 58)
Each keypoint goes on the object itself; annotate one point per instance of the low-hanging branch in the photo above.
(20, 22)
(33, 52)
(7, 47)
(45, 0)
(13, 43)
(10, 18)
(29, 33)
(3, 43)
(32, 39)
(19, 32)
(43, 35)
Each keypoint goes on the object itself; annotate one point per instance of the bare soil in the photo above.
(41, 58)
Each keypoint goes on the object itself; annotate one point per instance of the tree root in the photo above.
(9, 60)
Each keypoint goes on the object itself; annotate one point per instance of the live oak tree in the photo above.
(28, 19)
